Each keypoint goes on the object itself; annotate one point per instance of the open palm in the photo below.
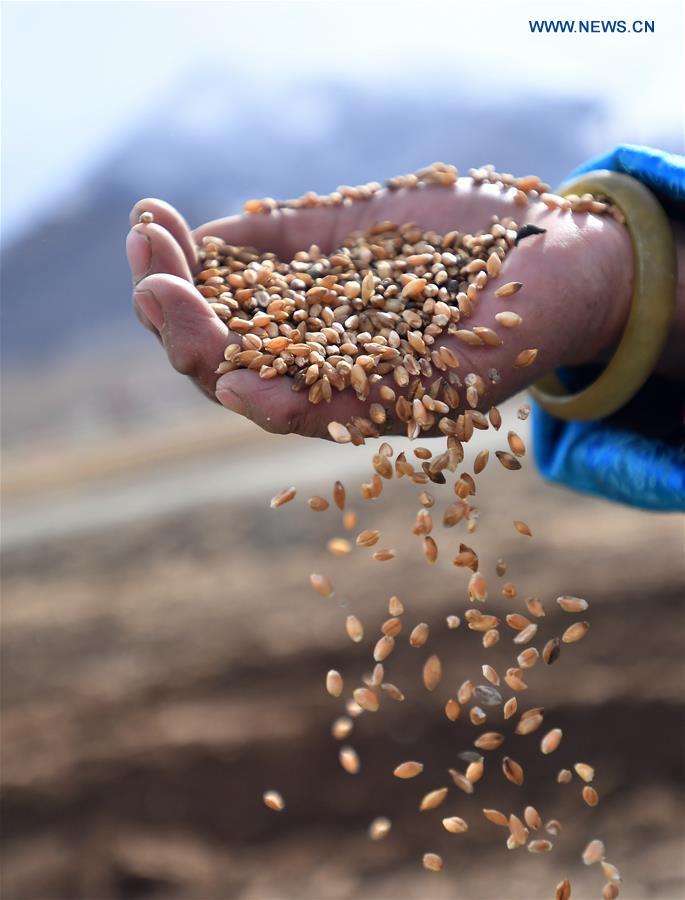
(163, 260)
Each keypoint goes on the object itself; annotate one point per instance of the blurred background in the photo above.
(162, 658)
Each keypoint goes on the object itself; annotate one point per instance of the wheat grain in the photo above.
(342, 728)
(321, 584)
(409, 769)
(585, 772)
(354, 628)
(572, 604)
(590, 795)
(433, 799)
(512, 770)
(432, 673)
(283, 497)
(334, 683)
(349, 760)
(454, 825)
(379, 828)
(551, 741)
(563, 890)
(432, 862)
(273, 800)
(593, 853)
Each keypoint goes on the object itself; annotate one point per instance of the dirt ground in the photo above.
(159, 675)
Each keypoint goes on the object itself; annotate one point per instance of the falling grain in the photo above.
(507, 460)
(430, 549)
(518, 830)
(510, 708)
(432, 673)
(512, 770)
(339, 495)
(563, 890)
(349, 760)
(283, 497)
(590, 795)
(593, 853)
(452, 710)
(349, 520)
(383, 648)
(409, 769)
(384, 555)
(516, 445)
(354, 628)
(342, 728)
(395, 606)
(572, 604)
(367, 538)
(433, 799)
(528, 658)
(465, 692)
(489, 740)
(379, 828)
(273, 800)
(321, 584)
(454, 825)
(392, 691)
(461, 781)
(575, 632)
(551, 741)
(432, 862)
(475, 770)
(490, 674)
(334, 683)
(419, 635)
(496, 817)
(585, 772)
(532, 818)
(392, 626)
(339, 547)
(610, 872)
(551, 651)
(529, 724)
(540, 846)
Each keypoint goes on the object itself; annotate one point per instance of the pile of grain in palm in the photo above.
(373, 316)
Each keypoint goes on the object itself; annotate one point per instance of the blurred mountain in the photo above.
(215, 142)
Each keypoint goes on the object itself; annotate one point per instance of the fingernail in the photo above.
(139, 250)
(232, 401)
(149, 305)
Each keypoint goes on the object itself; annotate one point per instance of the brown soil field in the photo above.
(158, 676)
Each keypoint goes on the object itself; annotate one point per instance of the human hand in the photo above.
(577, 285)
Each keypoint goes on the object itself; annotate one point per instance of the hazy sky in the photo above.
(75, 75)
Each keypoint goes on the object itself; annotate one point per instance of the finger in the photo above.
(193, 336)
(169, 218)
(274, 406)
(283, 232)
(152, 249)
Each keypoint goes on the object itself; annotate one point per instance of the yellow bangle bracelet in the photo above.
(651, 310)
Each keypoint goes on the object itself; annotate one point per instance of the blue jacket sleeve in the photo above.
(636, 456)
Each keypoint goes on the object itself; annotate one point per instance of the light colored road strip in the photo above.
(239, 472)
